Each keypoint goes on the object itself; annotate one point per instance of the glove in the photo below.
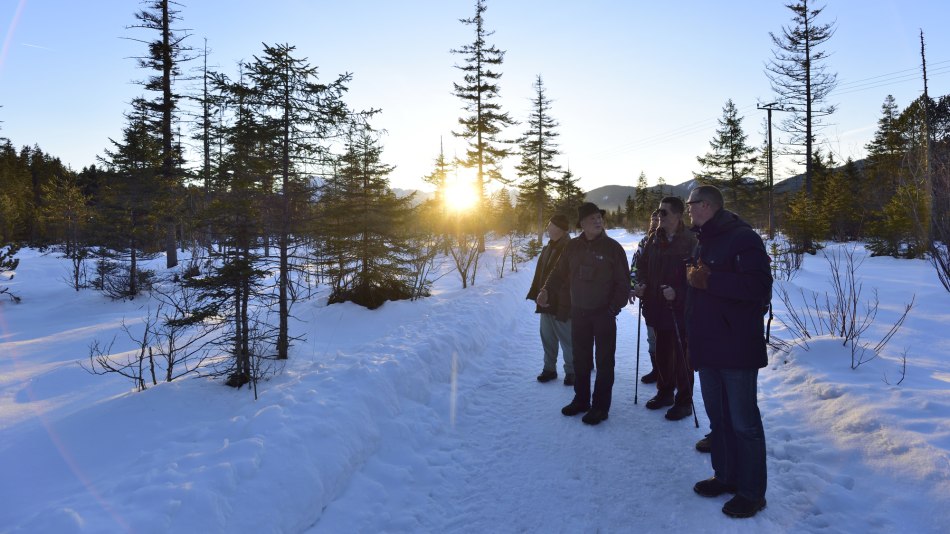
(698, 275)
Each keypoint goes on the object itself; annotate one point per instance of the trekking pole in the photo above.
(679, 340)
(636, 377)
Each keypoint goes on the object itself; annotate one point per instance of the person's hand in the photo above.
(640, 290)
(698, 275)
(669, 293)
(633, 297)
(542, 299)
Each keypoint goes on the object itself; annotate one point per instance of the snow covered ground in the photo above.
(426, 417)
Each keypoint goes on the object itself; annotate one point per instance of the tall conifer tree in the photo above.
(298, 114)
(538, 147)
(165, 55)
(479, 92)
(731, 160)
(801, 79)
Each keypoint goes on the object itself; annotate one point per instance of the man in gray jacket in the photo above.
(596, 270)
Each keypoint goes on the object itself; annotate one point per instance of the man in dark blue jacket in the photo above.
(594, 267)
(730, 285)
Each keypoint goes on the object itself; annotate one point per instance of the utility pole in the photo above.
(769, 108)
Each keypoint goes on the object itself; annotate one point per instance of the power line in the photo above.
(863, 84)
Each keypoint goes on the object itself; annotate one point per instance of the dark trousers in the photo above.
(738, 439)
(672, 368)
(590, 329)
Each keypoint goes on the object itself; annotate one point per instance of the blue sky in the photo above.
(636, 86)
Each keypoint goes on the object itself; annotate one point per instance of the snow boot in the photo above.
(547, 376)
(713, 487)
(740, 507)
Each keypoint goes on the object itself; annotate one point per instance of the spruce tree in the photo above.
(365, 227)
(804, 223)
(568, 195)
(485, 121)
(731, 160)
(438, 177)
(837, 205)
(801, 79)
(164, 57)
(16, 198)
(645, 203)
(66, 216)
(886, 152)
(241, 185)
(538, 147)
(8, 263)
(299, 115)
(504, 217)
(129, 213)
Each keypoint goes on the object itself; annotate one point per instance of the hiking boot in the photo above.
(649, 378)
(569, 380)
(713, 487)
(741, 507)
(547, 376)
(594, 417)
(574, 409)
(679, 412)
(659, 401)
(704, 445)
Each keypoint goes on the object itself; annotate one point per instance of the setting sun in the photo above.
(460, 194)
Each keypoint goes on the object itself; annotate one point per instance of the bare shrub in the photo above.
(423, 262)
(843, 313)
(786, 261)
(464, 251)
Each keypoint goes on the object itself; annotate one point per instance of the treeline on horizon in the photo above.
(288, 188)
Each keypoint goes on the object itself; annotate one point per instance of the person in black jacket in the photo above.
(595, 269)
(730, 285)
(556, 317)
(637, 279)
(661, 271)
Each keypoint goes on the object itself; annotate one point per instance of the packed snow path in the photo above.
(506, 460)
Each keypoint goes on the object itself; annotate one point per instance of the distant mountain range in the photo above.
(610, 197)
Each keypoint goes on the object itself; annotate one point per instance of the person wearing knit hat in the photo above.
(594, 268)
(561, 222)
(556, 317)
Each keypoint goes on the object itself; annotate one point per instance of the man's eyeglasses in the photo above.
(660, 212)
(691, 202)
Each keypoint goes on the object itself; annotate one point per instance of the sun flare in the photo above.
(460, 195)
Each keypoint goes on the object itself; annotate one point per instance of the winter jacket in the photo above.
(663, 263)
(724, 323)
(595, 271)
(559, 304)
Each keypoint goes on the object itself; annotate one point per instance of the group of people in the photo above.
(703, 291)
